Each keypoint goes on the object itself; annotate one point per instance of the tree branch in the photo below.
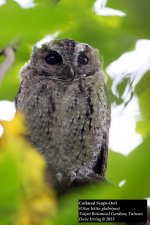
(9, 54)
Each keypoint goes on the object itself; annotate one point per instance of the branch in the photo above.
(9, 54)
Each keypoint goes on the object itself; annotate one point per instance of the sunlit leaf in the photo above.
(138, 16)
(25, 196)
(116, 167)
(72, 19)
(137, 172)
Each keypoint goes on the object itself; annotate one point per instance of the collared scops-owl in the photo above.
(64, 99)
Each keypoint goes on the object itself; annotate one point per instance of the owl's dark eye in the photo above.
(53, 58)
(83, 59)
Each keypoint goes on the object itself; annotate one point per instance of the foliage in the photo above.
(25, 197)
(113, 36)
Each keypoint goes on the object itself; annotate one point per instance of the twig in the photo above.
(9, 54)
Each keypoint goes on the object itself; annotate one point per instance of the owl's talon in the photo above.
(59, 177)
(72, 177)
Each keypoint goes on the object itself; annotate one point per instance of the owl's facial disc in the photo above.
(54, 59)
(65, 60)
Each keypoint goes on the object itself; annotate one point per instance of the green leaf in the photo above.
(143, 92)
(116, 167)
(9, 185)
(137, 172)
(68, 210)
(138, 16)
(72, 19)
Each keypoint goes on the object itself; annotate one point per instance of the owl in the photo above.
(64, 99)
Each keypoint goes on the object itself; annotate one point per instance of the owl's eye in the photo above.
(53, 58)
(83, 59)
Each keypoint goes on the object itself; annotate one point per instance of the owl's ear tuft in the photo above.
(34, 48)
(45, 46)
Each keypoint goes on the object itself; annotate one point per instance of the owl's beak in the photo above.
(72, 74)
(69, 72)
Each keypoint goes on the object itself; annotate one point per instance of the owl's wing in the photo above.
(101, 162)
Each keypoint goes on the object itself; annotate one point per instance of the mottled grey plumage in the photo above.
(67, 111)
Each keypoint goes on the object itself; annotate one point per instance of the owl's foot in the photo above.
(91, 178)
(68, 179)
(59, 177)
(72, 177)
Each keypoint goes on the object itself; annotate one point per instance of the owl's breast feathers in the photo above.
(68, 121)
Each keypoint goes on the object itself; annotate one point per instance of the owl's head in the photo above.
(65, 60)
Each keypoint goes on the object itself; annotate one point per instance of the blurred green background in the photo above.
(93, 22)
